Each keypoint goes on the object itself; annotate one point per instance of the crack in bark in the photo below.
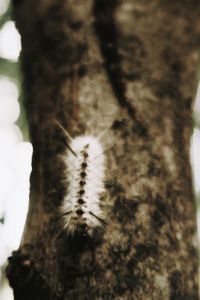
(106, 30)
(107, 33)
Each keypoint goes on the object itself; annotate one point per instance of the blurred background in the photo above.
(16, 151)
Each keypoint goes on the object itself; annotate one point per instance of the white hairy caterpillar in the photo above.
(81, 208)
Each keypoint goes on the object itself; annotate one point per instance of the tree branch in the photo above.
(129, 66)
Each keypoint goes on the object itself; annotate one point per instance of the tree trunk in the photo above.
(128, 66)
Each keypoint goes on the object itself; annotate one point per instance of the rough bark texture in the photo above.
(129, 66)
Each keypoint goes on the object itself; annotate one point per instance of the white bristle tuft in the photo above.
(85, 168)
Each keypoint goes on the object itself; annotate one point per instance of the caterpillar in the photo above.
(85, 163)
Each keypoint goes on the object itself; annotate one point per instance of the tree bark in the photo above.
(128, 66)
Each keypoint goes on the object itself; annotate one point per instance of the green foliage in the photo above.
(11, 69)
